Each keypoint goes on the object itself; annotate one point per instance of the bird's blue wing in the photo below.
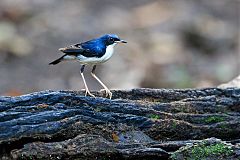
(94, 48)
(87, 49)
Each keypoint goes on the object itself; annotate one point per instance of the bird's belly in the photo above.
(90, 60)
(94, 60)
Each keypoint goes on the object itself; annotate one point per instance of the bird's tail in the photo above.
(57, 60)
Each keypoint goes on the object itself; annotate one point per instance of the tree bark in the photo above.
(138, 123)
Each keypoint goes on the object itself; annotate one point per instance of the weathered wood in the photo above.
(139, 123)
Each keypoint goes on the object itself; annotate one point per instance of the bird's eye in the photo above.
(111, 39)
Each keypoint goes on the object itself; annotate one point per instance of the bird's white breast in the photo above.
(94, 60)
(109, 52)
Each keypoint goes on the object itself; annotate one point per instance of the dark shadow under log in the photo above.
(139, 123)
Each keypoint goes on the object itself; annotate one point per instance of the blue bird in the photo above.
(92, 52)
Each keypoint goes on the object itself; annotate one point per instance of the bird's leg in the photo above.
(108, 92)
(85, 84)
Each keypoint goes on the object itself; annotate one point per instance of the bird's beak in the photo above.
(121, 41)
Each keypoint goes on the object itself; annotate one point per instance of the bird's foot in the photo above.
(107, 92)
(87, 92)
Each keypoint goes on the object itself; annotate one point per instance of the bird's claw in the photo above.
(107, 92)
(87, 92)
(90, 94)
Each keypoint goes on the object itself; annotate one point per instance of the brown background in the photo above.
(174, 43)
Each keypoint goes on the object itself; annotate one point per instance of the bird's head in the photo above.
(110, 39)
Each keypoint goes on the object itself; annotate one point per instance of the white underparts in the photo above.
(94, 60)
(69, 57)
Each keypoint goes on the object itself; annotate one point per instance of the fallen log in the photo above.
(138, 123)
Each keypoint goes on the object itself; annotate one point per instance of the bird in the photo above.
(92, 52)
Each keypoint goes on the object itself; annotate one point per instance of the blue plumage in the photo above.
(94, 48)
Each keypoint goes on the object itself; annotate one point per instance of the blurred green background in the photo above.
(172, 43)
